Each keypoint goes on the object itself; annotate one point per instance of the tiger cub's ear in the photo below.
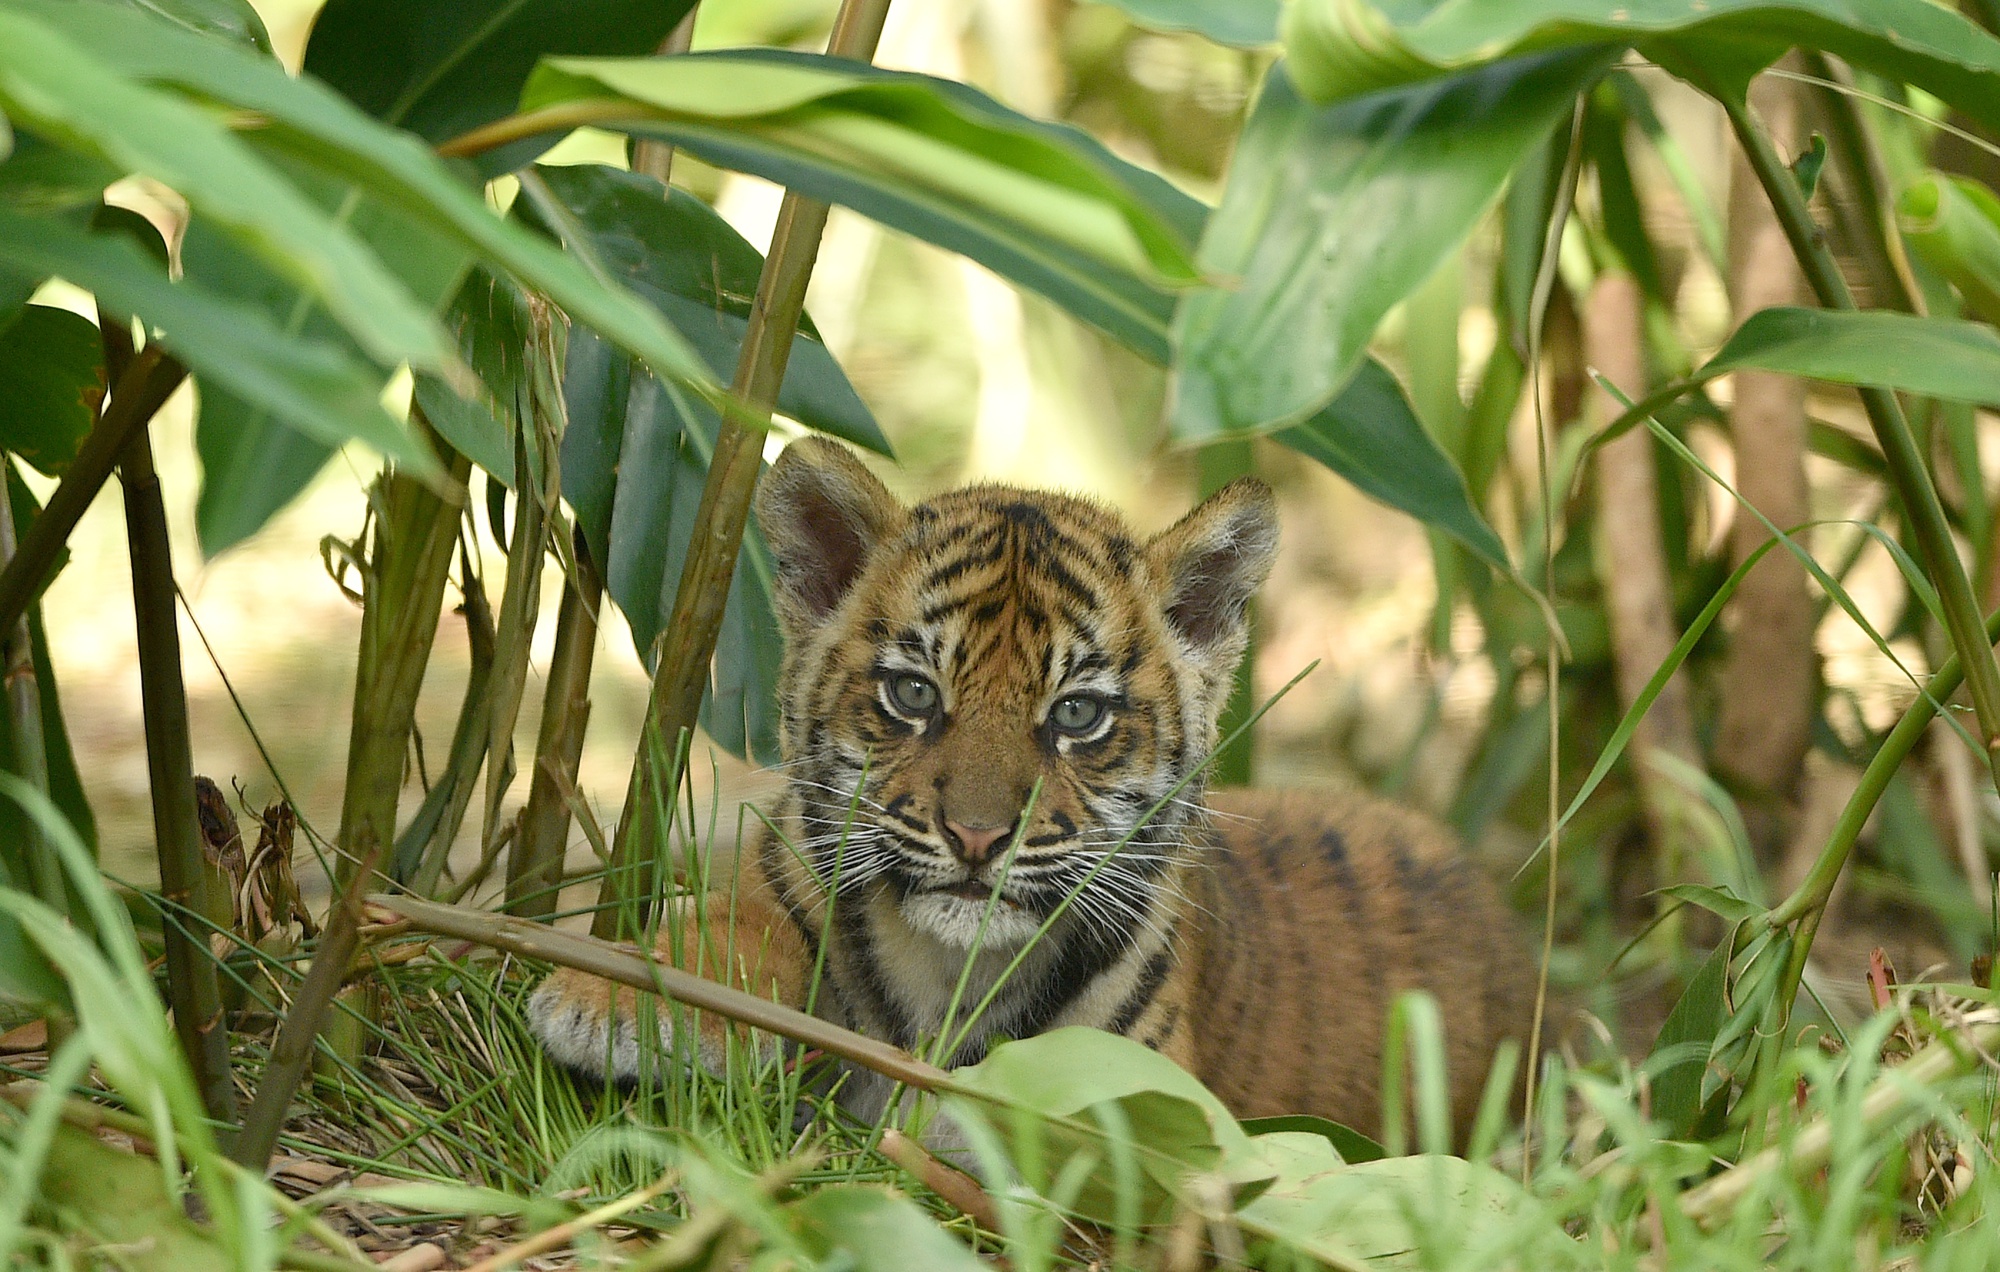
(822, 513)
(1211, 561)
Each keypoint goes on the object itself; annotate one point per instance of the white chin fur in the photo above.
(954, 921)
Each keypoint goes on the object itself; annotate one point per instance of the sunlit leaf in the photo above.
(1954, 224)
(1246, 24)
(1371, 436)
(441, 70)
(1936, 357)
(1341, 48)
(1334, 214)
(1041, 204)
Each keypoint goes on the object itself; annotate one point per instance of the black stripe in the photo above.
(1151, 978)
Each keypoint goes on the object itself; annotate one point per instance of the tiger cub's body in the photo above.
(994, 657)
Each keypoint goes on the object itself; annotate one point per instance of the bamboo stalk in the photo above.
(24, 712)
(403, 582)
(626, 966)
(139, 392)
(185, 885)
(1922, 510)
(534, 867)
(681, 677)
(426, 842)
(292, 1050)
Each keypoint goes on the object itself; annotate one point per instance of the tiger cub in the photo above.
(995, 657)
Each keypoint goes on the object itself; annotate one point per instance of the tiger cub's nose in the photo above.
(976, 843)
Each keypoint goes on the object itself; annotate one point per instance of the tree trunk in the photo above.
(1631, 559)
(1768, 682)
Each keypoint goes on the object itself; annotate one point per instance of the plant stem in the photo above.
(689, 640)
(1922, 511)
(402, 594)
(1807, 900)
(140, 390)
(292, 1051)
(534, 868)
(184, 871)
(626, 966)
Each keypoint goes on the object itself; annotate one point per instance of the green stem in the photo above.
(24, 712)
(184, 872)
(140, 391)
(402, 594)
(1922, 510)
(688, 644)
(534, 868)
(292, 1051)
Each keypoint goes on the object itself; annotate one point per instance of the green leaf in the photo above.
(494, 330)
(1041, 204)
(441, 70)
(634, 459)
(254, 462)
(52, 363)
(1371, 436)
(1245, 24)
(314, 386)
(119, 1199)
(874, 1230)
(1422, 1211)
(314, 124)
(1954, 224)
(54, 86)
(673, 251)
(1176, 1123)
(1342, 48)
(1717, 901)
(1680, 1053)
(1331, 216)
(1352, 1145)
(1935, 357)
(234, 20)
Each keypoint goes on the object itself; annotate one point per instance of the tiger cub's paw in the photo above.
(592, 1026)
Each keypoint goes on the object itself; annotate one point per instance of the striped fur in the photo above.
(995, 657)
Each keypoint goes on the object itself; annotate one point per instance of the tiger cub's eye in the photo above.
(1077, 713)
(914, 694)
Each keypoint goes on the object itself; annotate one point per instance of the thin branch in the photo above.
(145, 386)
(624, 965)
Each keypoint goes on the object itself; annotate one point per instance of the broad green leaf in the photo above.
(1721, 902)
(1246, 24)
(42, 179)
(1371, 436)
(441, 70)
(1334, 214)
(1954, 224)
(236, 20)
(117, 1199)
(489, 316)
(312, 123)
(874, 1230)
(671, 249)
(1041, 204)
(1422, 1211)
(1177, 1124)
(1680, 1053)
(1936, 357)
(63, 90)
(1352, 1145)
(316, 387)
(253, 462)
(1342, 48)
(52, 364)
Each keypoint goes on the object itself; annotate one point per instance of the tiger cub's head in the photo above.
(997, 655)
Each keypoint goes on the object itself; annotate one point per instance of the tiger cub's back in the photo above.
(1321, 907)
